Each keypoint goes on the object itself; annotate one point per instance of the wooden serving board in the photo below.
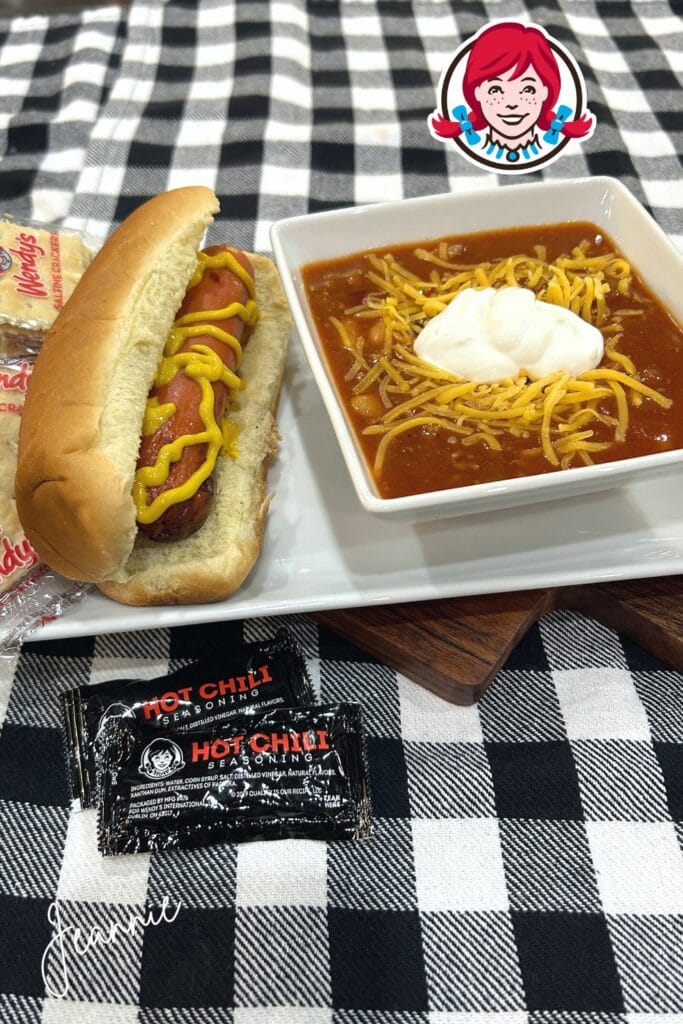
(455, 647)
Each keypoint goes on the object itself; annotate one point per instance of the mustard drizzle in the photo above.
(206, 367)
(222, 261)
(193, 325)
(156, 415)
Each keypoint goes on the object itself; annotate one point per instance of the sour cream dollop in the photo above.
(489, 334)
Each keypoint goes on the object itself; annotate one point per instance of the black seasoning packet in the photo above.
(284, 773)
(251, 678)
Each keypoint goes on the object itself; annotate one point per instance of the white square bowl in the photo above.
(604, 201)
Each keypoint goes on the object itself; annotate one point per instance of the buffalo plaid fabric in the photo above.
(526, 863)
(527, 860)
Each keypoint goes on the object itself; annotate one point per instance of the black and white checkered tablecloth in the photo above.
(527, 863)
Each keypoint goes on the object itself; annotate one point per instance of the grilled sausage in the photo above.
(217, 289)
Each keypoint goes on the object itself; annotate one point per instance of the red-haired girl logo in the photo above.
(511, 98)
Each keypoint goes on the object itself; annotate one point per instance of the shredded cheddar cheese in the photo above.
(556, 413)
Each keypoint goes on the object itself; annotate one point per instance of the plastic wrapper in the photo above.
(16, 554)
(40, 266)
(30, 593)
(248, 678)
(40, 596)
(284, 773)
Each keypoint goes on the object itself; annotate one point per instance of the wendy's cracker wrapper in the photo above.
(16, 554)
(39, 268)
(30, 592)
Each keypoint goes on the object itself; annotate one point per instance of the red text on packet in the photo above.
(28, 252)
(16, 380)
(56, 263)
(235, 684)
(15, 556)
(169, 702)
(261, 743)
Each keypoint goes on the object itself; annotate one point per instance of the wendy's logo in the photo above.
(161, 758)
(510, 99)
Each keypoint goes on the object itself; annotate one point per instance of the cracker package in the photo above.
(39, 268)
(16, 554)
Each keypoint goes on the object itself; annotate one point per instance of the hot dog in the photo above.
(224, 285)
(162, 358)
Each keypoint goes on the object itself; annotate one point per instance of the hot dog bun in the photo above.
(82, 421)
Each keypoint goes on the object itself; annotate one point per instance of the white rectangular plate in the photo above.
(323, 551)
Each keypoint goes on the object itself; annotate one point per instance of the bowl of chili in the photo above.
(420, 441)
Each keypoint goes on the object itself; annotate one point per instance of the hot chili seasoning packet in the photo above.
(281, 773)
(249, 679)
